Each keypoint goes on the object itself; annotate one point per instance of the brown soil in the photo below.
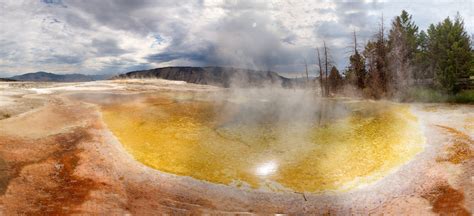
(43, 178)
(460, 147)
(446, 200)
(69, 190)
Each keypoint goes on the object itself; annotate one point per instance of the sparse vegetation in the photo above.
(420, 94)
(466, 96)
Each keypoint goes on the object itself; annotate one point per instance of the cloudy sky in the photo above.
(114, 36)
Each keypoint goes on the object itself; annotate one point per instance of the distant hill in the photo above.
(217, 76)
(42, 76)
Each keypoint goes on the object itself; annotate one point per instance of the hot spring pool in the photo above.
(277, 142)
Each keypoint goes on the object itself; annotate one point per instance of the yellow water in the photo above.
(194, 138)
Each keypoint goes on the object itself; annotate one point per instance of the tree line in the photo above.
(441, 58)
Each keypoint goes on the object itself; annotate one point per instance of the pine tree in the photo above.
(471, 74)
(356, 73)
(335, 80)
(403, 44)
(376, 54)
(423, 63)
(373, 81)
(450, 49)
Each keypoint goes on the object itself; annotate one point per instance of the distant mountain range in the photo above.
(42, 76)
(217, 76)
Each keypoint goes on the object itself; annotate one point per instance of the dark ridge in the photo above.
(217, 76)
(42, 76)
(6, 80)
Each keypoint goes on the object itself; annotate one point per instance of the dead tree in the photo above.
(355, 42)
(307, 76)
(320, 73)
(357, 71)
(326, 65)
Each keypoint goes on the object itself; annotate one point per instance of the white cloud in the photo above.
(112, 36)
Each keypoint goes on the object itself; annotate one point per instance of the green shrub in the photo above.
(466, 96)
(429, 95)
(426, 95)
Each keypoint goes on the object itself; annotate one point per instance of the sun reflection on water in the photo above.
(266, 169)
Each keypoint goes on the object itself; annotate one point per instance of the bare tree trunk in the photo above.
(307, 76)
(320, 73)
(326, 64)
(382, 55)
(382, 30)
(355, 42)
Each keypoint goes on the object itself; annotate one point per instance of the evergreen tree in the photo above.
(376, 55)
(450, 49)
(356, 73)
(349, 77)
(335, 80)
(423, 63)
(358, 66)
(471, 74)
(403, 44)
(373, 81)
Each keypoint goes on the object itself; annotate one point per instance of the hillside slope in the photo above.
(217, 76)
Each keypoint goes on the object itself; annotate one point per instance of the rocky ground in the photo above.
(58, 157)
